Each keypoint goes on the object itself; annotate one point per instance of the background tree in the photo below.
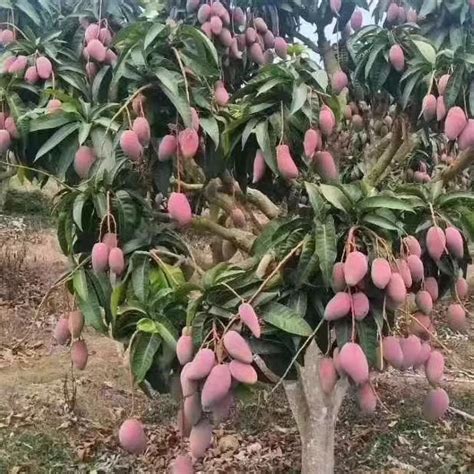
(341, 184)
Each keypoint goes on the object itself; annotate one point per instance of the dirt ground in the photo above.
(53, 421)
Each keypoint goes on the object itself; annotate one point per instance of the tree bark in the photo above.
(315, 414)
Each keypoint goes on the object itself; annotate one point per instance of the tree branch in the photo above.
(373, 178)
(465, 159)
(262, 202)
(239, 238)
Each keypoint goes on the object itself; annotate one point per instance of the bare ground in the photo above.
(50, 424)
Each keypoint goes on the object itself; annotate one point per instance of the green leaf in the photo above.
(141, 275)
(270, 85)
(58, 137)
(180, 103)
(211, 127)
(335, 197)
(46, 122)
(314, 198)
(454, 87)
(79, 282)
(300, 93)
(326, 247)
(455, 198)
(77, 209)
(152, 34)
(168, 333)
(143, 349)
(285, 319)
(380, 221)
(307, 263)
(368, 339)
(426, 50)
(388, 202)
(428, 7)
(261, 132)
(29, 10)
(147, 325)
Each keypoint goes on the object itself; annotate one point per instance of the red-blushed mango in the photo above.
(431, 286)
(61, 334)
(91, 70)
(259, 167)
(466, 139)
(339, 80)
(10, 127)
(401, 266)
(182, 464)
(442, 83)
(179, 209)
(356, 20)
(19, 65)
(454, 242)
(455, 123)
(327, 375)
(237, 347)
(105, 36)
(167, 148)
(392, 351)
(269, 39)
(354, 362)
(54, 105)
(424, 301)
(188, 386)
(440, 108)
(397, 57)
(412, 245)
(5, 141)
(188, 141)
(402, 14)
(456, 317)
(110, 239)
(234, 49)
(411, 347)
(435, 242)
(421, 326)
(416, 267)
(116, 261)
(335, 5)
(434, 368)
(281, 47)
(429, 107)
(243, 373)
(221, 95)
(206, 29)
(380, 273)
(357, 122)
(79, 354)
(462, 288)
(200, 439)
(96, 50)
(202, 364)
(184, 349)
(216, 386)
(338, 306)
(260, 25)
(142, 129)
(92, 32)
(338, 282)
(195, 119)
(238, 16)
(423, 356)
(44, 67)
(249, 318)
(325, 166)
(366, 398)
(216, 25)
(204, 13)
(100, 257)
(76, 323)
(192, 408)
(436, 404)
(7, 37)
(110, 57)
(225, 38)
(256, 54)
(238, 217)
(355, 267)
(311, 142)
(286, 165)
(130, 145)
(221, 410)
(217, 8)
(392, 13)
(360, 305)
(327, 120)
(83, 160)
(31, 75)
(132, 436)
(250, 36)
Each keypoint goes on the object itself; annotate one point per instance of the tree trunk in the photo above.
(315, 414)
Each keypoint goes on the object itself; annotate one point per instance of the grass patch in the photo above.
(33, 203)
(35, 452)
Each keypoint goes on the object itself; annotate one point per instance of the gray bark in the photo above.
(315, 414)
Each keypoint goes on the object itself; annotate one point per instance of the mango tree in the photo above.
(330, 173)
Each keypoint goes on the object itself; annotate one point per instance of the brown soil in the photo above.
(48, 423)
